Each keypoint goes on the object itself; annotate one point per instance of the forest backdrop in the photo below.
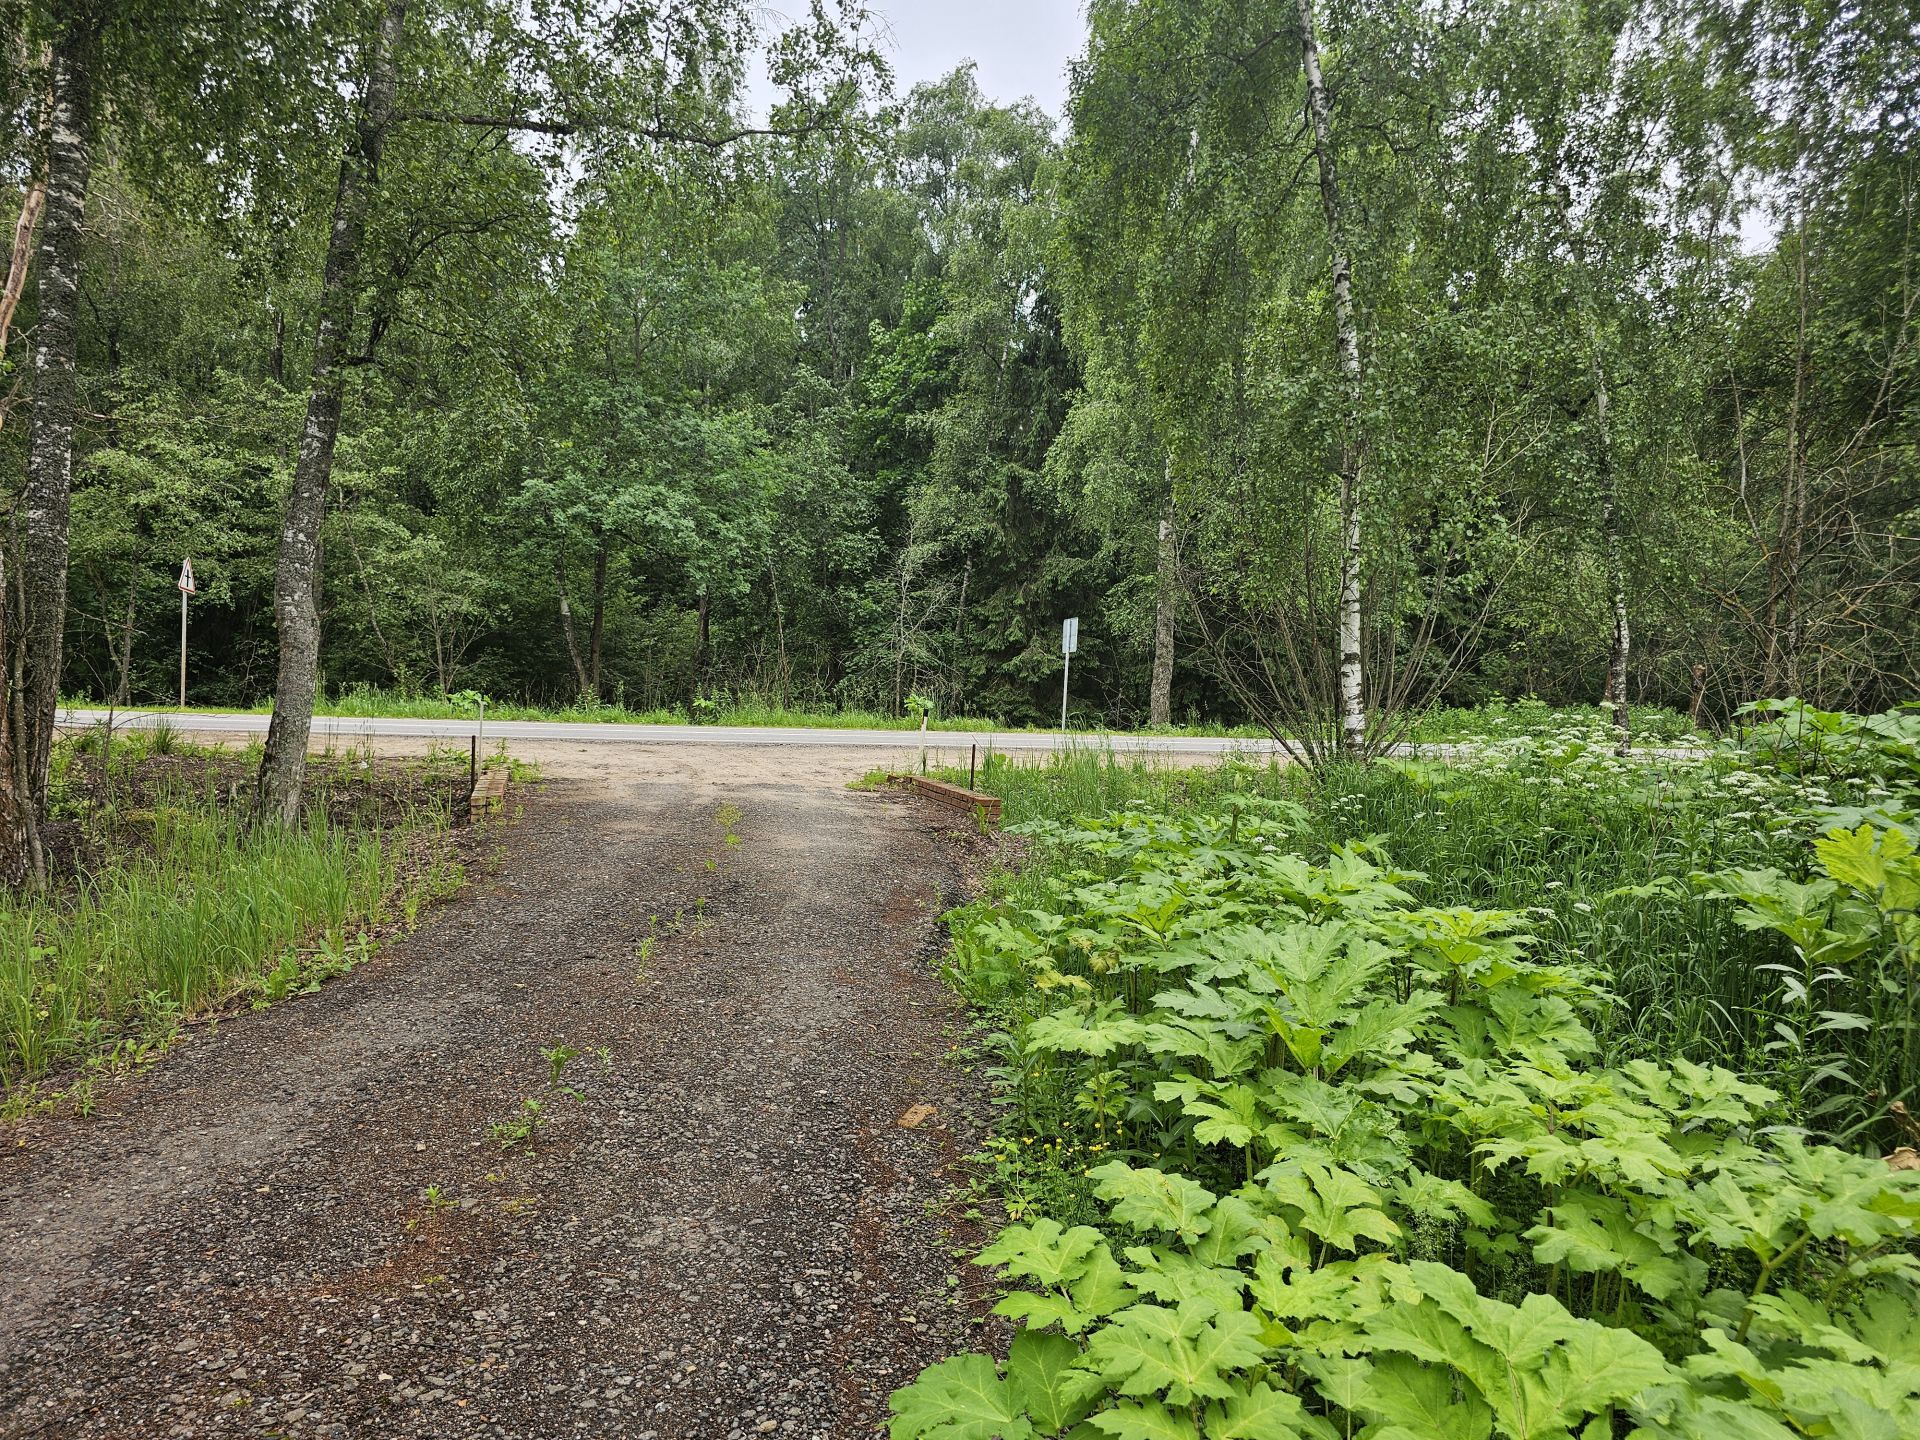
(1566, 348)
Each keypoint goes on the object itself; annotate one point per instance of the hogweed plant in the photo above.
(1303, 1142)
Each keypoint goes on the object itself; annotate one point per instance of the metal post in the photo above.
(973, 763)
(183, 649)
(1066, 670)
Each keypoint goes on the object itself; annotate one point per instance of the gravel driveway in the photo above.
(723, 1232)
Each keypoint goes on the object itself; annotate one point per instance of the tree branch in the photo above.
(534, 124)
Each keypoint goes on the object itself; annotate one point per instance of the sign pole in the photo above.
(1069, 642)
(187, 587)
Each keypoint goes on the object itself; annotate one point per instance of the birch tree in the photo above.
(1353, 704)
(73, 46)
(1166, 600)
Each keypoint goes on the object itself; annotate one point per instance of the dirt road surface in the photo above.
(723, 1232)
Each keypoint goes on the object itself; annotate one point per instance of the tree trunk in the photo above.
(18, 258)
(48, 491)
(784, 674)
(296, 599)
(1616, 564)
(21, 859)
(566, 626)
(1352, 693)
(1160, 695)
(597, 635)
(1781, 676)
(123, 651)
(703, 608)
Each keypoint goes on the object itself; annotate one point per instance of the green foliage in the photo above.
(1354, 1163)
(191, 911)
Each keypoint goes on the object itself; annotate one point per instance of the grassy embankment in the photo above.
(165, 906)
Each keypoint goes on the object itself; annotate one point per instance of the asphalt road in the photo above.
(1001, 741)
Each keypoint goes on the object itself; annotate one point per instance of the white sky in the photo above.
(1021, 46)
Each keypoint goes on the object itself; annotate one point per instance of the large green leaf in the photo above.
(1187, 1353)
(1043, 1381)
(1261, 1412)
(1335, 1205)
(1155, 1199)
(1539, 1369)
(1426, 1399)
(959, 1399)
(1151, 1421)
(1044, 1251)
(1593, 1233)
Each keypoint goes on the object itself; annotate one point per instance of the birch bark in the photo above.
(296, 599)
(1160, 696)
(1615, 560)
(47, 495)
(21, 858)
(1352, 689)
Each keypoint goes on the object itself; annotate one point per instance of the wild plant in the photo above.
(1376, 1179)
(522, 1126)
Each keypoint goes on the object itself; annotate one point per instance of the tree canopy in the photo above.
(645, 396)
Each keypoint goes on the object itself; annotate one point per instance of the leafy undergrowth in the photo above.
(167, 905)
(1300, 1142)
(1500, 719)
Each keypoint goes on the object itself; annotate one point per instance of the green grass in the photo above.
(188, 911)
(1503, 719)
(369, 703)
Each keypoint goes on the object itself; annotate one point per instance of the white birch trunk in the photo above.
(1615, 562)
(46, 499)
(1160, 695)
(1352, 686)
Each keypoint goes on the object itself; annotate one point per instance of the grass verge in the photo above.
(171, 907)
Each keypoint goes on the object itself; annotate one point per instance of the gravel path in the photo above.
(726, 1233)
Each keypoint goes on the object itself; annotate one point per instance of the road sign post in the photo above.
(1069, 642)
(187, 587)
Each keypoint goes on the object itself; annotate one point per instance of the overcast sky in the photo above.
(1021, 46)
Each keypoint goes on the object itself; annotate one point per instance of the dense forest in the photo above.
(1327, 360)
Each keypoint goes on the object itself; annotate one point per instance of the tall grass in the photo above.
(200, 917)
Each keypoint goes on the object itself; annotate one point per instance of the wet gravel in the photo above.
(721, 1231)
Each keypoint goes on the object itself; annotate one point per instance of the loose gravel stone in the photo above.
(718, 1234)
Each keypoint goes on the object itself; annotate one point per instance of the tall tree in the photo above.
(1166, 601)
(296, 600)
(1353, 440)
(73, 46)
(663, 74)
